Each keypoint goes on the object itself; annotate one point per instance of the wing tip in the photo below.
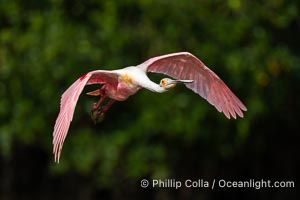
(56, 153)
(229, 115)
(244, 108)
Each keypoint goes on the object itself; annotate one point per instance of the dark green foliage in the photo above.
(46, 45)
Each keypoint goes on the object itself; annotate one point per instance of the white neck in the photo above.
(142, 79)
(150, 85)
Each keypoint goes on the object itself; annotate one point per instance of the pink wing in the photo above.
(206, 83)
(68, 103)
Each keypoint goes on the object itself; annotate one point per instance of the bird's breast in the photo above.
(127, 79)
(126, 87)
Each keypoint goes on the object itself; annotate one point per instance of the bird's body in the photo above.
(118, 85)
(130, 80)
(127, 84)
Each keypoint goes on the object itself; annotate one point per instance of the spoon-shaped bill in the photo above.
(182, 81)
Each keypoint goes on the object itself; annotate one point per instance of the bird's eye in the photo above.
(163, 82)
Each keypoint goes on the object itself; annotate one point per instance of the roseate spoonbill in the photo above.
(118, 85)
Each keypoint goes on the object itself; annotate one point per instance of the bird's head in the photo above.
(168, 83)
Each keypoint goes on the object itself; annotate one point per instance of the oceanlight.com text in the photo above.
(216, 183)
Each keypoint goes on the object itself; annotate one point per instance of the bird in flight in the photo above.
(118, 85)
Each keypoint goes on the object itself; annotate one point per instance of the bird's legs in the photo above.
(98, 92)
(102, 110)
(96, 106)
(107, 106)
(98, 111)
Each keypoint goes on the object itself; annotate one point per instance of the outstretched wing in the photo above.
(68, 103)
(206, 83)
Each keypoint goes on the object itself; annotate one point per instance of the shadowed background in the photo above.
(46, 45)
